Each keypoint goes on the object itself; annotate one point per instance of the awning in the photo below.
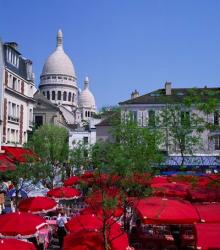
(192, 161)
(20, 154)
(6, 163)
(207, 236)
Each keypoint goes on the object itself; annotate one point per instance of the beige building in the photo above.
(17, 87)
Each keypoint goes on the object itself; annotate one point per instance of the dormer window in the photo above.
(12, 57)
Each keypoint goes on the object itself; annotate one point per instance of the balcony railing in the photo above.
(13, 119)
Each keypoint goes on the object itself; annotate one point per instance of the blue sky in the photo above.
(121, 45)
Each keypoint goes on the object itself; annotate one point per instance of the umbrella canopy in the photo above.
(96, 198)
(159, 179)
(94, 240)
(88, 222)
(13, 244)
(204, 194)
(209, 213)
(21, 193)
(37, 205)
(98, 211)
(64, 193)
(71, 181)
(156, 210)
(20, 225)
(207, 236)
(6, 163)
(170, 189)
(20, 154)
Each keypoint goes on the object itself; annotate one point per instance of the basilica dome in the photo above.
(86, 98)
(58, 63)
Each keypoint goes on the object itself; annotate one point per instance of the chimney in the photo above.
(168, 90)
(135, 94)
(14, 45)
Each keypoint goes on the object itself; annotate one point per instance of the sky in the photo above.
(122, 45)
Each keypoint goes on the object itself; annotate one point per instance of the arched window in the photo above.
(43, 93)
(48, 95)
(69, 97)
(64, 95)
(59, 95)
(73, 98)
(53, 95)
(86, 114)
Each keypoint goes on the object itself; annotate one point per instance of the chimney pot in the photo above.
(168, 89)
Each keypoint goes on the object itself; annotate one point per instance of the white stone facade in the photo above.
(58, 83)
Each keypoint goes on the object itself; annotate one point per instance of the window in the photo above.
(64, 95)
(59, 77)
(216, 118)
(30, 117)
(185, 118)
(86, 114)
(43, 93)
(38, 120)
(19, 86)
(73, 99)
(85, 139)
(69, 97)
(13, 110)
(48, 95)
(151, 118)
(217, 142)
(53, 77)
(14, 81)
(53, 95)
(12, 57)
(59, 95)
(133, 115)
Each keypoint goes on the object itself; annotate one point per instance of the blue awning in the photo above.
(192, 161)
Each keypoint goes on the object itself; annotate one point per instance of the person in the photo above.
(61, 231)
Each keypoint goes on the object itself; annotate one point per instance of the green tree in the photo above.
(181, 129)
(51, 144)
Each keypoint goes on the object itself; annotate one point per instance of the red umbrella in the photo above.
(97, 198)
(98, 211)
(13, 244)
(84, 222)
(94, 240)
(209, 213)
(159, 179)
(207, 236)
(204, 194)
(20, 224)
(170, 189)
(6, 163)
(37, 205)
(71, 181)
(64, 193)
(90, 222)
(156, 210)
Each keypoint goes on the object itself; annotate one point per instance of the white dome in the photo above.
(58, 63)
(86, 98)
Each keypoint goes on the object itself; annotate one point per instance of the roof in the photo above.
(40, 98)
(110, 119)
(59, 63)
(21, 70)
(177, 95)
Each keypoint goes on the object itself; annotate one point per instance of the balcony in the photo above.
(13, 119)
